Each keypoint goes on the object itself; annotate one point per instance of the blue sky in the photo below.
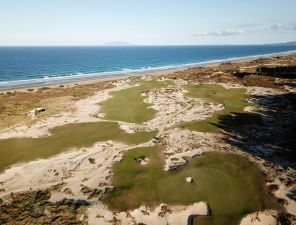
(147, 22)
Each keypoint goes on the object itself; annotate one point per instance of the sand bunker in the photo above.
(182, 144)
(261, 218)
(73, 170)
(174, 106)
(161, 215)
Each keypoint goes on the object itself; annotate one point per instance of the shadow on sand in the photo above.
(270, 134)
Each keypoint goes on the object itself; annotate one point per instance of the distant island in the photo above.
(285, 43)
(119, 43)
(290, 43)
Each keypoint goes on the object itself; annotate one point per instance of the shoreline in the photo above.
(116, 75)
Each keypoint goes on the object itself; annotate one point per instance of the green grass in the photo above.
(128, 105)
(135, 184)
(231, 185)
(63, 138)
(234, 101)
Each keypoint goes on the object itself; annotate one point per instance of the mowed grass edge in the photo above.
(231, 185)
(64, 138)
(128, 104)
(234, 101)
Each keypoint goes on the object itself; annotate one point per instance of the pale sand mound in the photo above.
(161, 215)
(174, 106)
(86, 167)
(182, 144)
(283, 193)
(164, 214)
(263, 91)
(99, 214)
(252, 90)
(268, 217)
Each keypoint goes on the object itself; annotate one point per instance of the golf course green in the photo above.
(231, 185)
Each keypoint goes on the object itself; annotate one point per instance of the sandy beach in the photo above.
(153, 72)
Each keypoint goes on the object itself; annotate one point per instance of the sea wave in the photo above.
(51, 80)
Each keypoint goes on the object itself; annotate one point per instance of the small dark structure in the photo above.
(241, 74)
(278, 71)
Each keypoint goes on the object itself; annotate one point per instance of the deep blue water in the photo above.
(58, 64)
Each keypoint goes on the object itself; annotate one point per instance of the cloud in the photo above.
(247, 25)
(222, 33)
(281, 26)
(252, 29)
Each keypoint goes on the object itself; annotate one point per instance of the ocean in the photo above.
(34, 66)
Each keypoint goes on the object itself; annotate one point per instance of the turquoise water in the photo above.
(49, 65)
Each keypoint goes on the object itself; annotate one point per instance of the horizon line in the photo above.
(148, 45)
